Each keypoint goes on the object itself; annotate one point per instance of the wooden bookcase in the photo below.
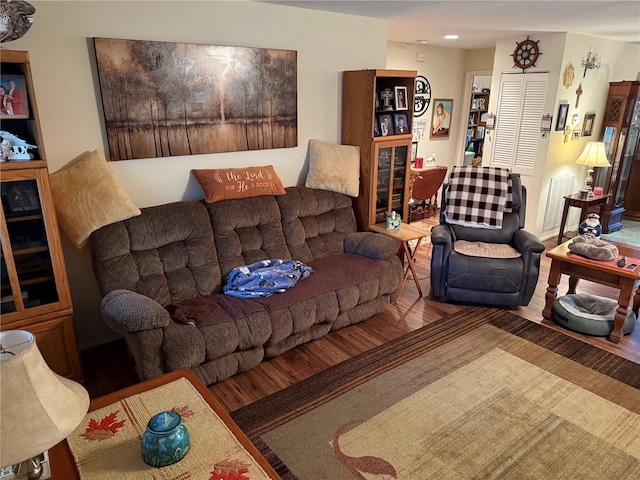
(478, 111)
(384, 160)
(34, 289)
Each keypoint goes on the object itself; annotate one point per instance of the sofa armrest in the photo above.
(524, 241)
(128, 312)
(371, 244)
(442, 241)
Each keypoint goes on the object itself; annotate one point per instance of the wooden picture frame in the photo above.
(385, 120)
(376, 127)
(14, 97)
(441, 118)
(587, 124)
(401, 98)
(401, 124)
(563, 113)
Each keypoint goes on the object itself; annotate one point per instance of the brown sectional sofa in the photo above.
(175, 258)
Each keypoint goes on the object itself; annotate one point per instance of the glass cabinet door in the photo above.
(25, 249)
(391, 178)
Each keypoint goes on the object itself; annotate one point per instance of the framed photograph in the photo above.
(414, 151)
(401, 98)
(14, 101)
(386, 124)
(587, 125)
(490, 122)
(400, 123)
(441, 119)
(563, 113)
(576, 134)
(376, 128)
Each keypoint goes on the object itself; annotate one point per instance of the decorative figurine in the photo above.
(14, 148)
(591, 225)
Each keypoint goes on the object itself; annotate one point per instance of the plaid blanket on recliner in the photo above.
(478, 197)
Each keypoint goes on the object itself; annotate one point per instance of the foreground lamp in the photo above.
(593, 155)
(38, 408)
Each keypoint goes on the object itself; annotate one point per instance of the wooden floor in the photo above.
(107, 367)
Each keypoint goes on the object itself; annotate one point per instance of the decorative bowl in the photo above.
(166, 440)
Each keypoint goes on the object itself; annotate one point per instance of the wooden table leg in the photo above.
(573, 284)
(552, 289)
(410, 268)
(565, 212)
(627, 286)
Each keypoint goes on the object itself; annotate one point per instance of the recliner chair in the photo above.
(502, 282)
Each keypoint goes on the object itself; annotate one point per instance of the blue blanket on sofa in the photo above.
(264, 278)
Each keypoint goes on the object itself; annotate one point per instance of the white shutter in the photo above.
(517, 132)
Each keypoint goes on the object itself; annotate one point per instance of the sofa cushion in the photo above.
(334, 167)
(228, 183)
(315, 222)
(87, 196)
(167, 253)
(246, 231)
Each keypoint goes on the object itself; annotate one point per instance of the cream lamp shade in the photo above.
(593, 155)
(38, 408)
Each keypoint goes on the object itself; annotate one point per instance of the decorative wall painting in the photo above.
(163, 99)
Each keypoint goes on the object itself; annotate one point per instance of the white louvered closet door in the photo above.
(519, 115)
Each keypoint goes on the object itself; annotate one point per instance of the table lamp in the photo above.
(593, 155)
(38, 408)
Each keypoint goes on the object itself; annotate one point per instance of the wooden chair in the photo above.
(424, 191)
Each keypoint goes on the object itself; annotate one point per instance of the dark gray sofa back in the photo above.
(167, 253)
(315, 222)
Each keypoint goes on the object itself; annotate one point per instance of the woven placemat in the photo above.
(107, 444)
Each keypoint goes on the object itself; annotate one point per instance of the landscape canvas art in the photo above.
(163, 99)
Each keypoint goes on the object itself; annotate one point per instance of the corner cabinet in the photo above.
(620, 134)
(368, 98)
(34, 289)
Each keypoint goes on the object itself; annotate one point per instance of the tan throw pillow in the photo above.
(87, 197)
(334, 167)
(227, 183)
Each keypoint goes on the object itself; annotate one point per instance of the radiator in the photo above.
(558, 188)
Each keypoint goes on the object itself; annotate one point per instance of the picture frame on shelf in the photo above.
(563, 113)
(386, 124)
(376, 127)
(400, 124)
(401, 98)
(587, 125)
(441, 118)
(21, 196)
(14, 97)
(414, 151)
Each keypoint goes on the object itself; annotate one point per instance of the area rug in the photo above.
(480, 394)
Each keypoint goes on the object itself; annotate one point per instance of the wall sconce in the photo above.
(592, 62)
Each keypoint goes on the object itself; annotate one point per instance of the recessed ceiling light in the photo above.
(451, 37)
(422, 41)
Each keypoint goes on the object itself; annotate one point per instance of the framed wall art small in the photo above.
(587, 125)
(14, 101)
(441, 119)
(563, 113)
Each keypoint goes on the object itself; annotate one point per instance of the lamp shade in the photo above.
(593, 155)
(38, 408)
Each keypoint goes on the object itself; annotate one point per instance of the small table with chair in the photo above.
(426, 182)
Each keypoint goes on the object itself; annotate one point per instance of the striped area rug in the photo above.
(479, 394)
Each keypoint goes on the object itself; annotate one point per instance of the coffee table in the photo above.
(62, 463)
(627, 280)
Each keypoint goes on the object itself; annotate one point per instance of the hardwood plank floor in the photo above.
(107, 367)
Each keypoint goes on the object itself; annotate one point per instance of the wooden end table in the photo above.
(63, 466)
(574, 200)
(406, 234)
(606, 273)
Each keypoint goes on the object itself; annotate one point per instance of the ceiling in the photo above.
(480, 23)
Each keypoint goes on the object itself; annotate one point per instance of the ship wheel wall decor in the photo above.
(526, 54)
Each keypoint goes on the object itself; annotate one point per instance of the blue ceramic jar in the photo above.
(166, 440)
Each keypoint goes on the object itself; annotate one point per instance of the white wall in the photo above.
(444, 69)
(63, 65)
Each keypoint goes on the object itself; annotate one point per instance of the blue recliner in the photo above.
(486, 280)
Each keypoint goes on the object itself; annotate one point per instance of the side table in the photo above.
(574, 200)
(406, 234)
(63, 466)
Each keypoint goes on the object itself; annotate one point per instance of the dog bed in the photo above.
(590, 314)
